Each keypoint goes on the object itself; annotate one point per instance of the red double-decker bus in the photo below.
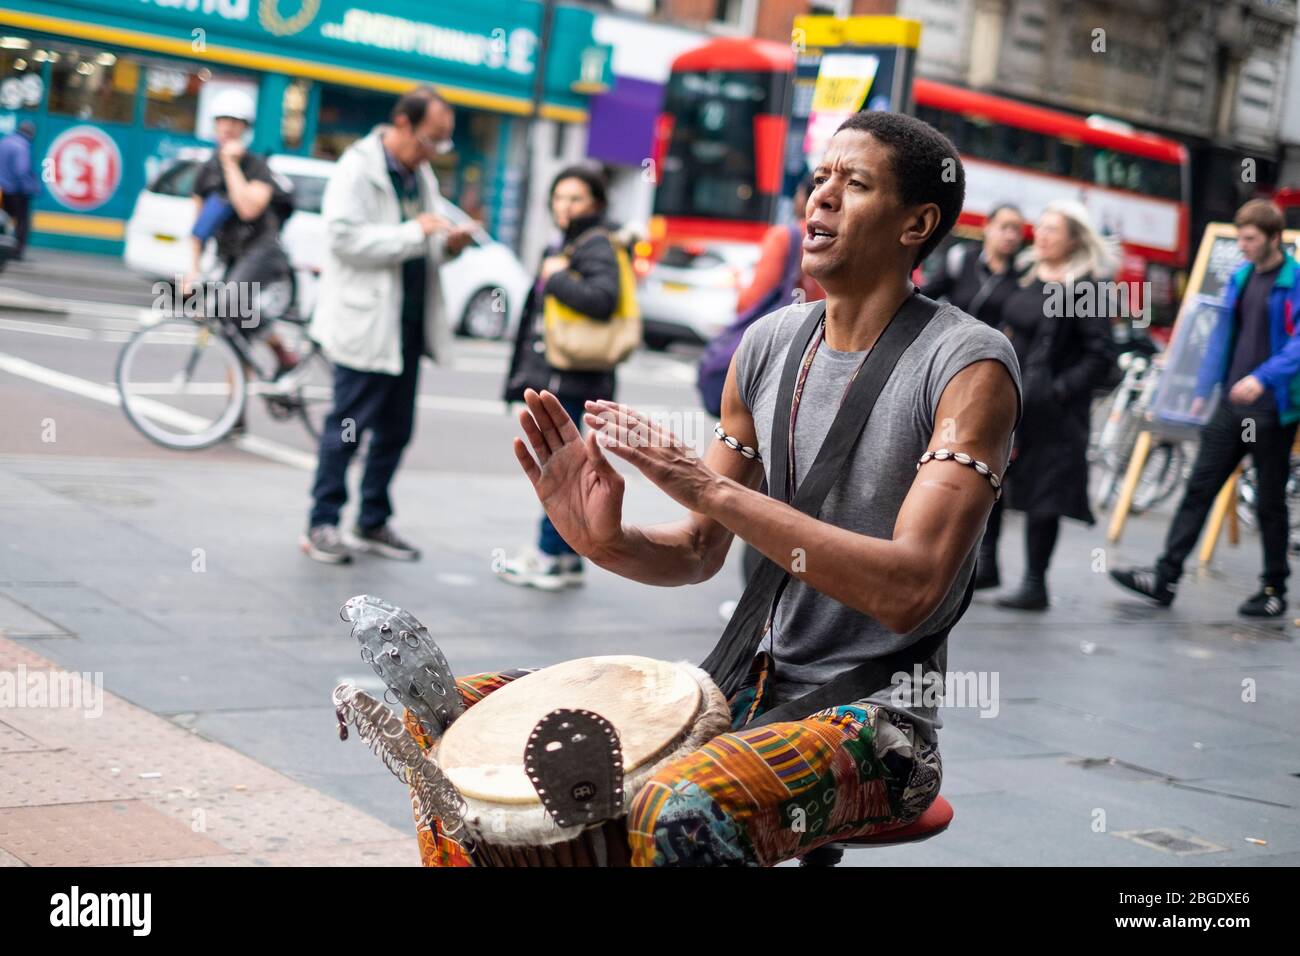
(718, 159)
(718, 142)
(1134, 184)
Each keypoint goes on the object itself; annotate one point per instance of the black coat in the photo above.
(1062, 358)
(591, 286)
(965, 281)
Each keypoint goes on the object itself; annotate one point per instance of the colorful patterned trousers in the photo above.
(757, 796)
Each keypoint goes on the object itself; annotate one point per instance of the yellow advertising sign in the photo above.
(843, 94)
(843, 82)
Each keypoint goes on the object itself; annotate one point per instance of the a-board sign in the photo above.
(1216, 260)
(1175, 390)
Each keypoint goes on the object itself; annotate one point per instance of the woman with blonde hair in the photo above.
(1057, 324)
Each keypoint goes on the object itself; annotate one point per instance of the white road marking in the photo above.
(133, 313)
(485, 358)
(108, 395)
(43, 328)
(456, 580)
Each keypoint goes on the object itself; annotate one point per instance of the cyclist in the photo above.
(242, 205)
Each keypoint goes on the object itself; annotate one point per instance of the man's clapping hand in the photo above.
(576, 484)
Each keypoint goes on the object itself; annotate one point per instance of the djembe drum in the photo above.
(542, 771)
(530, 804)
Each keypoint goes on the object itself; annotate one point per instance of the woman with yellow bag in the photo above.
(579, 322)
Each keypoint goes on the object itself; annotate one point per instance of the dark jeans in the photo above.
(261, 264)
(549, 540)
(384, 406)
(1222, 449)
(19, 208)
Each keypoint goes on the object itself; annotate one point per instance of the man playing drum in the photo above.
(882, 564)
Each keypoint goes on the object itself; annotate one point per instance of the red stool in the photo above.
(932, 822)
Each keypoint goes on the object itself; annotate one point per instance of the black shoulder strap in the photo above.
(729, 662)
(583, 236)
(868, 677)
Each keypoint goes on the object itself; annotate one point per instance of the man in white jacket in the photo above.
(378, 310)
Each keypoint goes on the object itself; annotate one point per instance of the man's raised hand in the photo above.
(656, 452)
(577, 486)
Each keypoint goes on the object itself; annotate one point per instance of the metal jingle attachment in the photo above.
(381, 628)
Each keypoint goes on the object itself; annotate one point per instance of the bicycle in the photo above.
(185, 380)
(1113, 442)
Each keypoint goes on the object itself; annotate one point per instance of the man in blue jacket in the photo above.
(1254, 353)
(18, 181)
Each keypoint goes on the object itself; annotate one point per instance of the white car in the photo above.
(484, 287)
(690, 293)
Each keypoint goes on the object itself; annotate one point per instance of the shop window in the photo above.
(171, 97)
(21, 85)
(92, 85)
(345, 116)
(293, 114)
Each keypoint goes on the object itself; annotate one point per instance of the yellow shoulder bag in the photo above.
(578, 343)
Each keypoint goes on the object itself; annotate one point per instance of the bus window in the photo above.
(708, 167)
(1026, 148)
(1067, 159)
(980, 137)
(1150, 177)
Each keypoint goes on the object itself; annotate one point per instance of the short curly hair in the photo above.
(925, 164)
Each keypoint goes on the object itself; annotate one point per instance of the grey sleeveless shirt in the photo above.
(814, 637)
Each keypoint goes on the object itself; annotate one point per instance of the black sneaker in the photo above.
(322, 543)
(384, 542)
(1030, 596)
(1269, 602)
(986, 573)
(1149, 582)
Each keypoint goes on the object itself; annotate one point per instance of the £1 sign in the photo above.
(82, 168)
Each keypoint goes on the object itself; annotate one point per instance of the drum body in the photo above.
(660, 711)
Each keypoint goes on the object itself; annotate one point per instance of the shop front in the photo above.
(117, 89)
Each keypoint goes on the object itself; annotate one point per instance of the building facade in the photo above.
(1210, 73)
(118, 87)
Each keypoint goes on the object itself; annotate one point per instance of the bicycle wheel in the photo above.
(1160, 476)
(306, 393)
(1246, 496)
(181, 384)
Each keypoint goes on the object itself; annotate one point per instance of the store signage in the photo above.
(512, 50)
(85, 168)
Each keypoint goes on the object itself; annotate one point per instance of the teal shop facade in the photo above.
(117, 88)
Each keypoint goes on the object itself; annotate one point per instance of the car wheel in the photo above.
(486, 314)
(657, 341)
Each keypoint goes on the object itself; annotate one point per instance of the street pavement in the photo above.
(1117, 734)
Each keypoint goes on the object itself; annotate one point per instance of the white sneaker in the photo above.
(571, 569)
(532, 569)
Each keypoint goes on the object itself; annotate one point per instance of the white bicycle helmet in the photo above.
(235, 104)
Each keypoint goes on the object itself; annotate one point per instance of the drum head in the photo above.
(651, 704)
